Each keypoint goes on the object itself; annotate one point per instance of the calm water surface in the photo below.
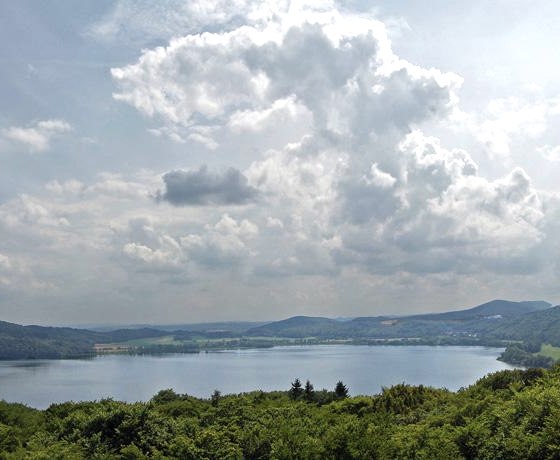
(363, 369)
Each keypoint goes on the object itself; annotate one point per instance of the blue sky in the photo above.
(193, 161)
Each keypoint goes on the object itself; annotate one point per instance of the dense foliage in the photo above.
(506, 415)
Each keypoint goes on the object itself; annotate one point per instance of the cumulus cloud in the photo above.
(507, 120)
(445, 217)
(27, 210)
(335, 69)
(203, 187)
(37, 137)
(362, 186)
(225, 243)
(151, 248)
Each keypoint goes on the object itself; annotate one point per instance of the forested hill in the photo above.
(470, 321)
(21, 342)
(503, 308)
(539, 326)
(506, 415)
(299, 326)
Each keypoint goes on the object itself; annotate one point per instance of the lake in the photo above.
(364, 369)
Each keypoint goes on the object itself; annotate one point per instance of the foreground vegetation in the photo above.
(506, 415)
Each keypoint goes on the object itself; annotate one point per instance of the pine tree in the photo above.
(341, 390)
(296, 391)
(309, 392)
(215, 398)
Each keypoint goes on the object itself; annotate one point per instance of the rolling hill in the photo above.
(470, 321)
(22, 342)
(503, 308)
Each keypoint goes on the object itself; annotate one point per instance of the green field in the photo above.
(550, 351)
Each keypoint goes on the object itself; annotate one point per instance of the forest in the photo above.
(505, 415)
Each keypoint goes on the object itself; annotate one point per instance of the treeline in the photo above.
(34, 348)
(506, 415)
(38, 342)
(524, 354)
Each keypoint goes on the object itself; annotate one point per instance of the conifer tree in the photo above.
(341, 390)
(309, 392)
(296, 391)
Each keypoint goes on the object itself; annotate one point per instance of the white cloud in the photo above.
(379, 178)
(550, 153)
(448, 218)
(37, 137)
(508, 120)
(28, 211)
(224, 244)
(281, 112)
(274, 223)
(330, 70)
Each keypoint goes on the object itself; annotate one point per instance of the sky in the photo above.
(179, 161)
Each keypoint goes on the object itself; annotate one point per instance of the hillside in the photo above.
(22, 342)
(539, 326)
(503, 308)
(463, 322)
(298, 327)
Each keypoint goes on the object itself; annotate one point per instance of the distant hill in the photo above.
(503, 308)
(540, 326)
(469, 321)
(298, 327)
(22, 342)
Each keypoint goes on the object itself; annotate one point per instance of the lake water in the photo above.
(364, 369)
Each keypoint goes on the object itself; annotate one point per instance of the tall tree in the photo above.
(215, 398)
(296, 391)
(308, 392)
(341, 390)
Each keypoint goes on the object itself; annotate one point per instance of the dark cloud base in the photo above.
(203, 187)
